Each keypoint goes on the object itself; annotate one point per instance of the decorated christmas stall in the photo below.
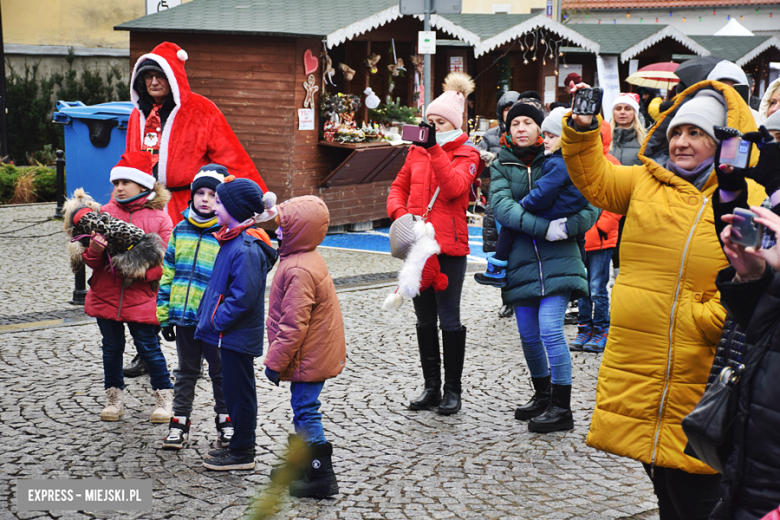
(315, 91)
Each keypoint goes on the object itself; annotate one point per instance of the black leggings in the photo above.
(506, 238)
(444, 305)
(682, 495)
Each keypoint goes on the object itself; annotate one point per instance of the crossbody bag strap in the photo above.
(430, 204)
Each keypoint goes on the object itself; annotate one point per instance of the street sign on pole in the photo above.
(408, 7)
(426, 42)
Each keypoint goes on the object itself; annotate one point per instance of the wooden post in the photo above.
(368, 81)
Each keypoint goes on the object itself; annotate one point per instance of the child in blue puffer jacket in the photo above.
(232, 311)
(554, 197)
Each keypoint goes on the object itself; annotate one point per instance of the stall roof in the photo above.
(628, 40)
(487, 31)
(655, 4)
(739, 49)
(334, 21)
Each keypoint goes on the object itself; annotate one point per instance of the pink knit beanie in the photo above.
(449, 105)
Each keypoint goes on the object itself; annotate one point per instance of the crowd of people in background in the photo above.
(642, 188)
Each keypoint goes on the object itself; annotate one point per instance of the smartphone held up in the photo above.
(415, 133)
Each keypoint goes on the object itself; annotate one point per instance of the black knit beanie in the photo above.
(242, 198)
(530, 105)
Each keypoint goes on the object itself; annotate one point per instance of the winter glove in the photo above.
(557, 230)
(734, 181)
(767, 171)
(759, 138)
(169, 333)
(431, 142)
(272, 375)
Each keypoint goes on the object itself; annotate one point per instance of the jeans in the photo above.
(307, 418)
(682, 495)
(147, 345)
(190, 351)
(541, 334)
(597, 264)
(238, 386)
(445, 304)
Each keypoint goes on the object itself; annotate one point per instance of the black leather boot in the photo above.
(454, 342)
(136, 367)
(430, 359)
(558, 416)
(320, 479)
(538, 403)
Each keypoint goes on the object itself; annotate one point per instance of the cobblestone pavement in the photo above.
(391, 463)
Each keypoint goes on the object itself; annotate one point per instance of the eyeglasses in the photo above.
(151, 76)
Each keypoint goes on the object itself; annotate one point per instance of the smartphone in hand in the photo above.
(735, 152)
(415, 133)
(587, 101)
(745, 231)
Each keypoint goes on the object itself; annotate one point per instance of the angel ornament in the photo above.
(371, 62)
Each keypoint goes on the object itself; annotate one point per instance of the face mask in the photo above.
(445, 137)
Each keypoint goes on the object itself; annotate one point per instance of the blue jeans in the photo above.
(597, 264)
(147, 345)
(306, 411)
(541, 334)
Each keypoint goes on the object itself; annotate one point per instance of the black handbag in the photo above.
(709, 427)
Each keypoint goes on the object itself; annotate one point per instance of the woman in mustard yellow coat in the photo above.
(666, 312)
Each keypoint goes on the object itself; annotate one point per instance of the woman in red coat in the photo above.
(448, 161)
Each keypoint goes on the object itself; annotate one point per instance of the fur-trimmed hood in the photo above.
(161, 197)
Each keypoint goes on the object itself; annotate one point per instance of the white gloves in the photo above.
(557, 230)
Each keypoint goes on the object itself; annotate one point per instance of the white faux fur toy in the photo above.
(420, 270)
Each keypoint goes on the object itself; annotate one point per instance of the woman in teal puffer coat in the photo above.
(544, 270)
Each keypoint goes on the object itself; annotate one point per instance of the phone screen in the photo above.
(735, 152)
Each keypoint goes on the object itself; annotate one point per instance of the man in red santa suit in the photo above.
(183, 130)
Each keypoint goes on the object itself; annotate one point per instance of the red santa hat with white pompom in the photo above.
(170, 57)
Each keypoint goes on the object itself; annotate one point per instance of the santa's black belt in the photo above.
(179, 188)
(151, 151)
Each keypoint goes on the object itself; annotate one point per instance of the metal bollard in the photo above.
(59, 213)
(80, 291)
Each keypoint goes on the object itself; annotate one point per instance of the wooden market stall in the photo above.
(752, 53)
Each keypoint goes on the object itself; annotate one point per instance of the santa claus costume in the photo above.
(186, 131)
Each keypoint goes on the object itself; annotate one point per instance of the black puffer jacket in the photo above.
(750, 486)
(489, 230)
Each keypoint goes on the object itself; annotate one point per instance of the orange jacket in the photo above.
(305, 328)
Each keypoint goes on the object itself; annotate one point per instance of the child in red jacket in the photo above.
(139, 200)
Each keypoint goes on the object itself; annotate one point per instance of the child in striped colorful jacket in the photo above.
(189, 261)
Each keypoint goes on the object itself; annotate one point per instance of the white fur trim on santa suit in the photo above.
(410, 276)
(132, 174)
(173, 81)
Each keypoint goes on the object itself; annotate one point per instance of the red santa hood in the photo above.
(171, 59)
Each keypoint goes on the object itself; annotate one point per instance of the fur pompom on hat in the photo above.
(530, 105)
(242, 198)
(421, 268)
(457, 87)
(136, 167)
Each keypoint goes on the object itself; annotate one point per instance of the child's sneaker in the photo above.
(231, 460)
(178, 433)
(598, 340)
(495, 274)
(224, 429)
(114, 408)
(584, 332)
(163, 408)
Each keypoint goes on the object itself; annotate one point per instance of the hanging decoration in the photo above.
(372, 100)
(349, 73)
(371, 62)
(504, 76)
(397, 68)
(525, 49)
(327, 69)
(310, 63)
(311, 89)
(419, 89)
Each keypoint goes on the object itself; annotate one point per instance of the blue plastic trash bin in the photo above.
(94, 142)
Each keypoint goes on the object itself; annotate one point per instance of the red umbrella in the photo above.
(657, 75)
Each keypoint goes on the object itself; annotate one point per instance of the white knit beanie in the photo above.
(706, 110)
(553, 123)
(625, 98)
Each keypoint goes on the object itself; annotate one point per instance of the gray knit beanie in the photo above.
(553, 122)
(706, 110)
(773, 122)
